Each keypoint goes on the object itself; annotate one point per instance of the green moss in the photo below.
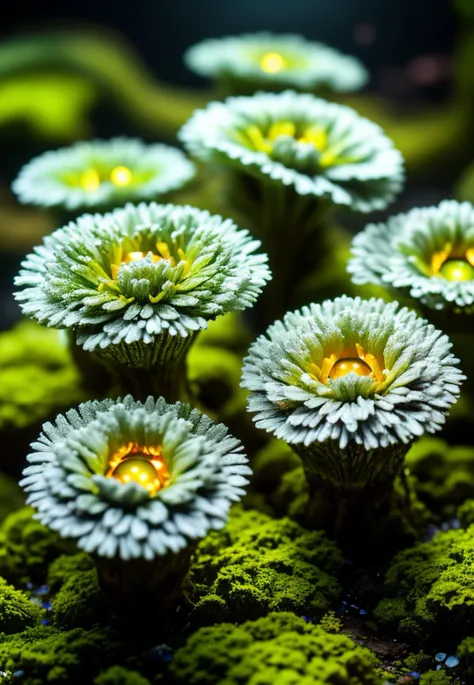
(429, 589)
(465, 652)
(280, 648)
(331, 623)
(79, 602)
(17, 612)
(65, 566)
(38, 375)
(49, 656)
(27, 547)
(11, 497)
(466, 513)
(418, 662)
(443, 474)
(435, 678)
(259, 564)
(117, 675)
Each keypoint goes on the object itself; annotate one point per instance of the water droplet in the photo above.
(441, 656)
(452, 661)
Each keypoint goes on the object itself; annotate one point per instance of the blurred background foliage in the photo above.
(83, 70)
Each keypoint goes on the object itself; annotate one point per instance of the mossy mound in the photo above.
(17, 612)
(259, 564)
(65, 566)
(465, 513)
(39, 377)
(79, 602)
(27, 547)
(435, 678)
(49, 656)
(430, 591)
(442, 474)
(117, 675)
(280, 648)
(465, 651)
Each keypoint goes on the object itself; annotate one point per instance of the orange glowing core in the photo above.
(142, 465)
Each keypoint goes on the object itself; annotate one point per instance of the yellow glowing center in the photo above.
(349, 365)
(121, 176)
(453, 265)
(136, 256)
(315, 135)
(272, 63)
(336, 366)
(457, 270)
(90, 180)
(144, 468)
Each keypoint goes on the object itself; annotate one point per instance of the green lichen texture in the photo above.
(259, 564)
(280, 648)
(429, 590)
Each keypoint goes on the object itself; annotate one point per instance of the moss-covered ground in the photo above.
(268, 600)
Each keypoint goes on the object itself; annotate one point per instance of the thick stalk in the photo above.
(351, 491)
(157, 369)
(140, 591)
(294, 231)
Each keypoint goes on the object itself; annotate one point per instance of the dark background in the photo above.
(383, 33)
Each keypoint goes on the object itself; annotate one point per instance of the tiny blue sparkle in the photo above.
(42, 590)
(441, 656)
(363, 612)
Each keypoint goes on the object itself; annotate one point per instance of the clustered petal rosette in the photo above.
(427, 253)
(276, 61)
(126, 278)
(297, 140)
(70, 484)
(102, 172)
(351, 376)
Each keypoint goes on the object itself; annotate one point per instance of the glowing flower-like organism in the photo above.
(136, 285)
(133, 481)
(426, 254)
(298, 141)
(98, 173)
(290, 158)
(244, 64)
(349, 384)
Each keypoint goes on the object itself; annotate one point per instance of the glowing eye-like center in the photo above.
(272, 62)
(90, 180)
(457, 270)
(121, 176)
(136, 256)
(348, 365)
(149, 471)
